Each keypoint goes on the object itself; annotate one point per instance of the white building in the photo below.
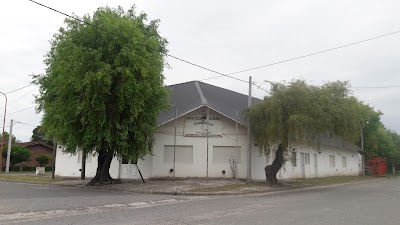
(197, 155)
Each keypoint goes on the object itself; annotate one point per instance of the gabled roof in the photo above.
(31, 143)
(192, 95)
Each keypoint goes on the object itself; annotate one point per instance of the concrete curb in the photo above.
(230, 193)
(294, 190)
(272, 191)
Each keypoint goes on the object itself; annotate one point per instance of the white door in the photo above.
(315, 165)
(128, 170)
(303, 168)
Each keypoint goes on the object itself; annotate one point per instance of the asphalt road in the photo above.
(374, 203)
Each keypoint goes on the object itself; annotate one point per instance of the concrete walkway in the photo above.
(188, 186)
(202, 186)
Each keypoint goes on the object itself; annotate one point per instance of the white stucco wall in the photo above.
(165, 136)
(69, 165)
(324, 169)
(154, 165)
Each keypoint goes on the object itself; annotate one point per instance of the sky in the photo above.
(225, 36)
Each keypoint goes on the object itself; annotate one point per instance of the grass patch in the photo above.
(390, 175)
(28, 179)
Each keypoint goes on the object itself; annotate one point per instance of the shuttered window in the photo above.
(222, 154)
(344, 162)
(294, 159)
(307, 158)
(332, 161)
(183, 154)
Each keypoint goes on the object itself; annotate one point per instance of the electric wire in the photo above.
(310, 54)
(21, 110)
(130, 40)
(19, 88)
(25, 124)
(219, 73)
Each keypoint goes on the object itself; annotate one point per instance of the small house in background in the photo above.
(36, 148)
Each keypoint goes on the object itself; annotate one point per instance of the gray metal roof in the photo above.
(186, 97)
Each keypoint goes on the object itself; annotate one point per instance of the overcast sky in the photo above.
(226, 36)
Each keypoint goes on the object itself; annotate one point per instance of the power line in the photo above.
(120, 36)
(19, 111)
(19, 89)
(25, 124)
(378, 87)
(311, 54)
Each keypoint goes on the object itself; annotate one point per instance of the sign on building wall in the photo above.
(196, 126)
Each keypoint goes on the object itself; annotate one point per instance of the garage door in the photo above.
(222, 154)
(183, 154)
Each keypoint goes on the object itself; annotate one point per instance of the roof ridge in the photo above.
(200, 82)
(203, 99)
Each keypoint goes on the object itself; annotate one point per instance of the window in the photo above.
(222, 154)
(294, 159)
(332, 161)
(183, 154)
(344, 162)
(307, 158)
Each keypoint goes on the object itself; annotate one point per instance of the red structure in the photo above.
(377, 166)
(36, 148)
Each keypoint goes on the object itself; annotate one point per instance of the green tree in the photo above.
(102, 91)
(6, 135)
(18, 154)
(297, 112)
(38, 134)
(395, 155)
(43, 159)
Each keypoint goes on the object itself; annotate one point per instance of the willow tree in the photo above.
(103, 86)
(298, 112)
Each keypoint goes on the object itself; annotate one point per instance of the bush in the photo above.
(18, 154)
(43, 159)
(26, 169)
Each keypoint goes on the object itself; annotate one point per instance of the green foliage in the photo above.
(43, 159)
(6, 135)
(18, 154)
(38, 134)
(297, 111)
(379, 141)
(101, 92)
(23, 169)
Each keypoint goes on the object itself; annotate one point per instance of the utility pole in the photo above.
(83, 168)
(363, 153)
(208, 121)
(173, 169)
(249, 135)
(237, 148)
(9, 147)
(2, 134)
(54, 159)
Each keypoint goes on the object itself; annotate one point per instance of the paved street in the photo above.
(374, 203)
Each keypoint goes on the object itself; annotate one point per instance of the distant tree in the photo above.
(298, 112)
(43, 159)
(380, 141)
(39, 135)
(101, 92)
(18, 154)
(6, 135)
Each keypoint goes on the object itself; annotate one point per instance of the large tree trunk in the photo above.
(272, 170)
(103, 169)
